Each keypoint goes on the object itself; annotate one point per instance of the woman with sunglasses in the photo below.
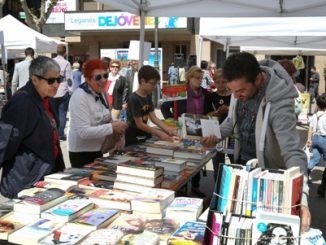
(90, 116)
(116, 89)
(35, 152)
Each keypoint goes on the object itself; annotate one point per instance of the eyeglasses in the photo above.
(98, 77)
(115, 67)
(51, 80)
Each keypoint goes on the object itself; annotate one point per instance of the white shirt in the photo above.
(21, 74)
(113, 79)
(135, 84)
(89, 122)
(320, 126)
(65, 71)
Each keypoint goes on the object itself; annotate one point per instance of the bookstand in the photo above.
(265, 215)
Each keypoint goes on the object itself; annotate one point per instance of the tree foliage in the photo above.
(36, 17)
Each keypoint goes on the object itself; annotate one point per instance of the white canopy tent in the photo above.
(17, 37)
(282, 50)
(294, 32)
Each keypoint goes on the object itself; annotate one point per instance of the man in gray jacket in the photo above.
(263, 120)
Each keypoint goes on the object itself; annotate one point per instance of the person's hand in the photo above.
(308, 143)
(172, 131)
(305, 218)
(119, 127)
(209, 141)
(163, 136)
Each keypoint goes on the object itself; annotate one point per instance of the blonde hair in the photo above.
(115, 62)
(193, 71)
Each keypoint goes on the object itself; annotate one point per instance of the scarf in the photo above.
(195, 102)
(87, 89)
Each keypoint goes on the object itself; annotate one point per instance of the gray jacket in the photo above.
(277, 141)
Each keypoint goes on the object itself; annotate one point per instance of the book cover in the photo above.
(140, 169)
(68, 210)
(97, 218)
(217, 220)
(152, 201)
(275, 228)
(196, 127)
(114, 199)
(96, 184)
(129, 224)
(40, 201)
(64, 178)
(69, 234)
(34, 232)
(190, 232)
(297, 183)
(224, 189)
(164, 228)
(108, 175)
(185, 208)
(14, 221)
(172, 164)
(146, 237)
(110, 236)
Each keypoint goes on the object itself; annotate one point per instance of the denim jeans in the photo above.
(319, 148)
(61, 106)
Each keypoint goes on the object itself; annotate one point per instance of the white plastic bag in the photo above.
(307, 150)
(313, 237)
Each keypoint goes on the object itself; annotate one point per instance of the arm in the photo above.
(283, 122)
(308, 143)
(80, 112)
(68, 75)
(125, 92)
(170, 131)
(14, 81)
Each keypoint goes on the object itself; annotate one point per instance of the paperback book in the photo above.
(191, 232)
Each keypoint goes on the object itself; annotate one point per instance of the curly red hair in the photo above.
(92, 65)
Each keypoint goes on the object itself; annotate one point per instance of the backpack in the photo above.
(8, 136)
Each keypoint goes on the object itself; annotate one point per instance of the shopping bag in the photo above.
(307, 150)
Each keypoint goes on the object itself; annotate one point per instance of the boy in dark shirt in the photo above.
(140, 108)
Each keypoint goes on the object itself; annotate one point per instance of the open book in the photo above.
(196, 126)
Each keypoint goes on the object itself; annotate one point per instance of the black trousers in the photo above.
(79, 159)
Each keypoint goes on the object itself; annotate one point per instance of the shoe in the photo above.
(321, 190)
(63, 138)
(197, 192)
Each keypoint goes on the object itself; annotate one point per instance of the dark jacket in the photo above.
(120, 93)
(130, 81)
(30, 157)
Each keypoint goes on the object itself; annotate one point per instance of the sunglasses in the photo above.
(51, 80)
(115, 67)
(98, 77)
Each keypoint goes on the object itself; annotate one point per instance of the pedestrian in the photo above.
(61, 99)
(37, 151)
(116, 89)
(263, 121)
(314, 82)
(317, 139)
(21, 71)
(76, 76)
(91, 120)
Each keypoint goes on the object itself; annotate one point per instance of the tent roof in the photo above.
(283, 50)
(222, 8)
(294, 32)
(17, 37)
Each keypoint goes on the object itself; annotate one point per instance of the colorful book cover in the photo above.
(162, 227)
(297, 184)
(186, 203)
(224, 189)
(129, 223)
(69, 234)
(96, 217)
(111, 236)
(190, 232)
(69, 207)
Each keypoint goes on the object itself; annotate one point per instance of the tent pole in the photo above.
(200, 48)
(142, 33)
(4, 62)
(156, 64)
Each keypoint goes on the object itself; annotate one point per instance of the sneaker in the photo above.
(197, 192)
(63, 138)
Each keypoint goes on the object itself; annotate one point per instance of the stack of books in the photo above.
(173, 170)
(152, 203)
(138, 177)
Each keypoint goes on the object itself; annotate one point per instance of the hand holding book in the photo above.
(209, 141)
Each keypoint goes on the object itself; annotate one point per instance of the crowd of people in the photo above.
(254, 103)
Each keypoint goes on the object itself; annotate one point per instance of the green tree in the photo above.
(36, 17)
